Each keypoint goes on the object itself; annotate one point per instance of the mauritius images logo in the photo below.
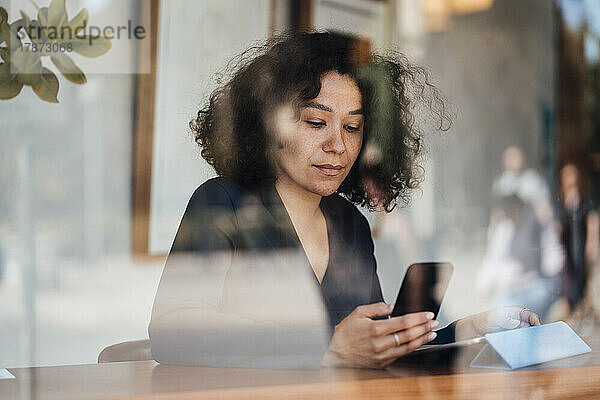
(27, 43)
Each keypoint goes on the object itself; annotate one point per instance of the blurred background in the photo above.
(92, 189)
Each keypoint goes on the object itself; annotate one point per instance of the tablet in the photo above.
(423, 288)
(438, 347)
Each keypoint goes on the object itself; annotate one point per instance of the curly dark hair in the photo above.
(287, 69)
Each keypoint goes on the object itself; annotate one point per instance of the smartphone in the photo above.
(423, 288)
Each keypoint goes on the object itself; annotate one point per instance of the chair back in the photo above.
(137, 350)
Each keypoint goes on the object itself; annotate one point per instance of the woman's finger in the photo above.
(413, 333)
(380, 309)
(395, 324)
(386, 342)
(530, 317)
(406, 348)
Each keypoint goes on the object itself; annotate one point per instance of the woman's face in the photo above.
(569, 176)
(317, 151)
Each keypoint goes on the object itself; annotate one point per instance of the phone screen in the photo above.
(423, 288)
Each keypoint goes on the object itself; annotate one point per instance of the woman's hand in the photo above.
(495, 320)
(360, 341)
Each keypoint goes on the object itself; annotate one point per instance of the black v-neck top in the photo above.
(223, 215)
(351, 276)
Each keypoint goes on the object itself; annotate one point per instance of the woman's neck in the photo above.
(301, 204)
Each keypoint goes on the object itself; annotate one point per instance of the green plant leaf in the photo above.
(43, 15)
(42, 21)
(67, 67)
(47, 87)
(57, 13)
(78, 23)
(25, 18)
(39, 34)
(9, 84)
(14, 39)
(28, 66)
(26, 23)
(3, 15)
(4, 32)
(81, 45)
(5, 54)
(5, 72)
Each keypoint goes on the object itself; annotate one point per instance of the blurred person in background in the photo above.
(308, 127)
(579, 232)
(525, 183)
(523, 256)
(512, 269)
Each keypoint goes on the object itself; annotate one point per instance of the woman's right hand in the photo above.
(360, 341)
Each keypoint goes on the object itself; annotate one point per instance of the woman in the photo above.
(515, 263)
(579, 233)
(302, 132)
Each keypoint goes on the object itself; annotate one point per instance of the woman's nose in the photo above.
(335, 141)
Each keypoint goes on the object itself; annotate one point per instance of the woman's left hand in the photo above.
(495, 320)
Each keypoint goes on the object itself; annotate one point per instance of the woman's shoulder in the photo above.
(218, 191)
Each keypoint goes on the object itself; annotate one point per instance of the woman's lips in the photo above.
(329, 170)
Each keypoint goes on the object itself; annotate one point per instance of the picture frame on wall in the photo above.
(194, 40)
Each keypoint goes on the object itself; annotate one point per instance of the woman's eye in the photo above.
(315, 124)
(351, 128)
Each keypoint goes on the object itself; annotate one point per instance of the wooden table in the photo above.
(446, 378)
